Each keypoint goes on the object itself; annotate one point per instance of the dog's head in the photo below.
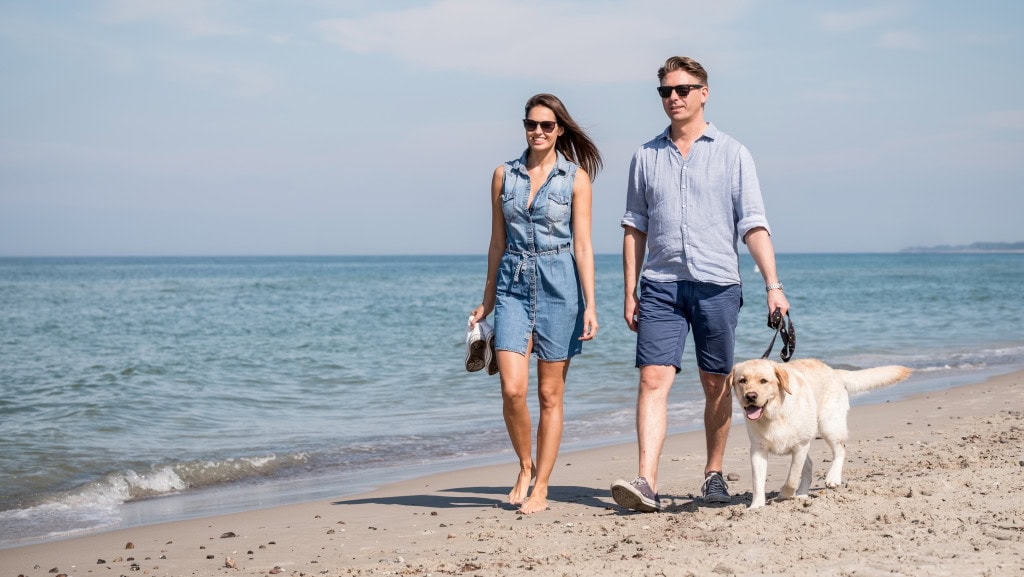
(759, 384)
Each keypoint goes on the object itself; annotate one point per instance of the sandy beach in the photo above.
(934, 486)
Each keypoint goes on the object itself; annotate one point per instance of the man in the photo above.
(693, 192)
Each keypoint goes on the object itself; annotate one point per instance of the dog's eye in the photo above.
(764, 381)
(742, 380)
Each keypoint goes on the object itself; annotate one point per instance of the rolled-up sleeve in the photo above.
(636, 197)
(746, 194)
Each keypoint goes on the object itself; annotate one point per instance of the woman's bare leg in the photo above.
(514, 370)
(551, 392)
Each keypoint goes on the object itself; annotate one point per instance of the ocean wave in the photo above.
(936, 361)
(96, 504)
(975, 359)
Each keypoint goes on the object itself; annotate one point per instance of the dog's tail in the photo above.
(867, 379)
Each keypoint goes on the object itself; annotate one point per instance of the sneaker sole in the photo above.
(492, 365)
(718, 499)
(476, 358)
(626, 496)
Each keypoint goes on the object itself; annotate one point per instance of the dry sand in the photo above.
(934, 486)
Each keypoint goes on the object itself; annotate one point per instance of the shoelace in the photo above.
(641, 484)
(714, 482)
(785, 327)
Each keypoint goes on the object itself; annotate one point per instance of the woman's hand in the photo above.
(589, 324)
(478, 314)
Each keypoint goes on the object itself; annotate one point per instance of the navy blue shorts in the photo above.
(668, 310)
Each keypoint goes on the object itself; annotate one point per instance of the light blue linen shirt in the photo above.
(694, 209)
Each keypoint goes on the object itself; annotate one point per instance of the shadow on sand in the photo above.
(478, 497)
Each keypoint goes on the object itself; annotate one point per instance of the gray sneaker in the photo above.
(715, 489)
(636, 495)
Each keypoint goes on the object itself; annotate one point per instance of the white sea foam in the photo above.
(97, 504)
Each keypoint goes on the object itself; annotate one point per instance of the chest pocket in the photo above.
(559, 207)
(508, 196)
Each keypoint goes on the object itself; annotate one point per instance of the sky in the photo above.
(364, 127)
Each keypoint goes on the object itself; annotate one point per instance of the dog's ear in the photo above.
(729, 378)
(783, 377)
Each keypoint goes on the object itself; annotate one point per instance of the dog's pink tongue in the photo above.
(754, 413)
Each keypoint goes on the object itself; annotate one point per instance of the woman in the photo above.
(540, 281)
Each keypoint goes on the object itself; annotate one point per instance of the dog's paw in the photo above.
(756, 504)
(833, 482)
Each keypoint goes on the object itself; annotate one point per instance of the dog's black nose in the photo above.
(751, 397)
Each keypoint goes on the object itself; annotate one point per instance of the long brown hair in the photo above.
(574, 143)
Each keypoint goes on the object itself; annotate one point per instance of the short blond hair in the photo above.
(687, 65)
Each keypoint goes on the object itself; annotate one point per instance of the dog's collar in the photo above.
(775, 321)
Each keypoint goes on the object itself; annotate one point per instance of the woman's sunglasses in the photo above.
(548, 126)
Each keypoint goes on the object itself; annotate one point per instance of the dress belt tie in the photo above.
(523, 255)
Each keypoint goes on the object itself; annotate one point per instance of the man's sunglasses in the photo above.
(683, 90)
(548, 126)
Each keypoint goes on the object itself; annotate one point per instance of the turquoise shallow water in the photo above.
(139, 390)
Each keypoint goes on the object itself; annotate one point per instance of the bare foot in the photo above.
(537, 502)
(522, 487)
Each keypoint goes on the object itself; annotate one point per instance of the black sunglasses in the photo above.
(683, 90)
(548, 126)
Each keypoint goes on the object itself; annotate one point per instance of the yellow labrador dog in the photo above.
(788, 405)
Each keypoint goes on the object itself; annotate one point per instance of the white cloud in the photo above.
(902, 40)
(40, 38)
(984, 40)
(853, 20)
(1005, 120)
(831, 95)
(195, 17)
(242, 78)
(540, 39)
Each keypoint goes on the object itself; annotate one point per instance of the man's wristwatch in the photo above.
(773, 286)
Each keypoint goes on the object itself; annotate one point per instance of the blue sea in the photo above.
(142, 390)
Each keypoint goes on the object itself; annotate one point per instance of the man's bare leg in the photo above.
(652, 417)
(717, 418)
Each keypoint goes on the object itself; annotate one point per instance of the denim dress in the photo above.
(538, 289)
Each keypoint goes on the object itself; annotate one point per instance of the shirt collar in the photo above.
(561, 164)
(710, 133)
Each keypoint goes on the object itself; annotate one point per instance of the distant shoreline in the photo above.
(973, 248)
(960, 251)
